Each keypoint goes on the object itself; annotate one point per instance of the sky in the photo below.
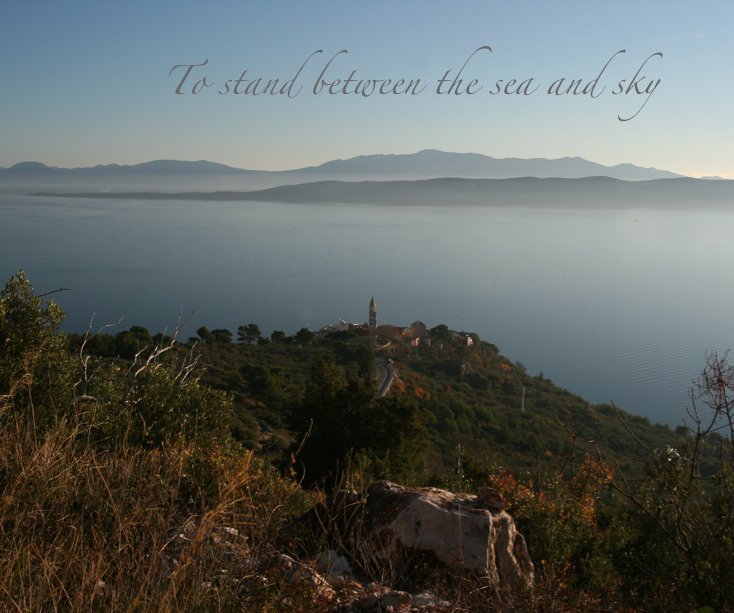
(90, 82)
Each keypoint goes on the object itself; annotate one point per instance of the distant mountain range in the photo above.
(430, 163)
(172, 175)
(588, 192)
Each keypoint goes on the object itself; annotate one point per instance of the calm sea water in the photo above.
(616, 305)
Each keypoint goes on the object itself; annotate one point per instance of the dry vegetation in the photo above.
(170, 528)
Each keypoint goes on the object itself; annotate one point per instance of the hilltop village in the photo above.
(389, 336)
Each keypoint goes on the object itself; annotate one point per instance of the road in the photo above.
(385, 375)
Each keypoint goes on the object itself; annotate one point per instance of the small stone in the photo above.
(332, 564)
(229, 530)
(322, 594)
(396, 600)
(429, 601)
(368, 604)
(288, 563)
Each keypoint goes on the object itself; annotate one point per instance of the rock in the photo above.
(224, 535)
(367, 604)
(348, 589)
(457, 530)
(396, 601)
(228, 531)
(333, 565)
(321, 592)
(514, 566)
(380, 599)
(286, 562)
(428, 601)
(306, 580)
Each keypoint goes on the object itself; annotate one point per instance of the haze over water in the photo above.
(615, 305)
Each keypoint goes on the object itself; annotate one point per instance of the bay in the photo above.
(615, 305)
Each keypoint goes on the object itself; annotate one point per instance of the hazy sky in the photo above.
(88, 82)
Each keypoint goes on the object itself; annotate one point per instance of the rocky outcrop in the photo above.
(396, 549)
(457, 530)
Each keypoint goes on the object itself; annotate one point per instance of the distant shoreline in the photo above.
(596, 192)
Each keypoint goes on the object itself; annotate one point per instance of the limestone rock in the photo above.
(331, 564)
(458, 530)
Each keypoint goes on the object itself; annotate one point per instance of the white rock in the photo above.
(455, 528)
(332, 564)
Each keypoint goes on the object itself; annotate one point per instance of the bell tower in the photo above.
(373, 314)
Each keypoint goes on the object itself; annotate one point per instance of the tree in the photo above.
(679, 519)
(36, 370)
(130, 342)
(259, 380)
(205, 335)
(304, 336)
(151, 401)
(340, 419)
(162, 339)
(248, 334)
(278, 336)
(222, 335)
(441, 333)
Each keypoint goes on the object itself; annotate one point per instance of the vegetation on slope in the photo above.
(468, 408)
(129, 481)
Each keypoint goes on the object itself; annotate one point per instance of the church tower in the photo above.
(373, 314)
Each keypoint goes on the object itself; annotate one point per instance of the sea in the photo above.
(617, 305)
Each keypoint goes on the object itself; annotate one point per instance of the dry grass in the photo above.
(134, 529)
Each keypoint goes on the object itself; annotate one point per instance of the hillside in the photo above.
(476, 407)
(128, 482)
